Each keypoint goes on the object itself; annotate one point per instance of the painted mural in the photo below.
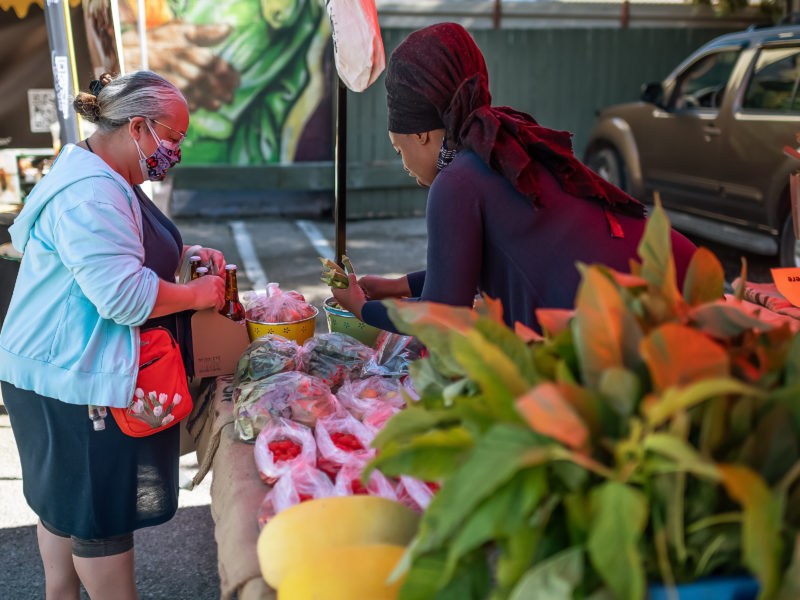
(256, 73)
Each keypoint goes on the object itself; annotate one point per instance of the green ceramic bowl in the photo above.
(342, 321)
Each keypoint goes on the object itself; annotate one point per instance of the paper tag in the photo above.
(788, 283)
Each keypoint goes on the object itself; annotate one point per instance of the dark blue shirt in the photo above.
(484, 236)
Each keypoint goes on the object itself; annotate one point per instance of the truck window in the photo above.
(703, 83)
(773, 84)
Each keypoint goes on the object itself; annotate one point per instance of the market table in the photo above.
(236, 489)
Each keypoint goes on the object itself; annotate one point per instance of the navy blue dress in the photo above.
(484, 235)
(93, 484)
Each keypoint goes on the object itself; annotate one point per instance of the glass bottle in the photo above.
(232, 308)
(194, 262)
(202, 271)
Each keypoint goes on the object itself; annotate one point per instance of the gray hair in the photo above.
(137, 94)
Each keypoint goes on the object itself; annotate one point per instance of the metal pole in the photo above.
(340, 177)
(58, 36)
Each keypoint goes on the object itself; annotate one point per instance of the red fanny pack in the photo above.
(162, 397)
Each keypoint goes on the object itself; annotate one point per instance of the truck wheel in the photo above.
(606, 162)
(789, 247)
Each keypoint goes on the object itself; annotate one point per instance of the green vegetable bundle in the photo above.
(649, 437)
(333, 275)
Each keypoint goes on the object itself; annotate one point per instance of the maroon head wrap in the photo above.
(437, 78)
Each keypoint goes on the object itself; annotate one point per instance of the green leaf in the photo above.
(677, 355)
(705, 278)
(655, 250)
(547, 411)
(621, 389)
(430, 456)
(413, 421)
(555, 578)
(606, 333)
(685, 457)
(472, 581)
(502, 514)
(792, 368)
(674, 400)
(512, 346)
(620, 515)
(494, 460)
(761, 527)
(723, 320)
(790, 587)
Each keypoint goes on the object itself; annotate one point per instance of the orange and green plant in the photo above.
(649, 436)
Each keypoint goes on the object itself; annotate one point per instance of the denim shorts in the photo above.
(96, 548)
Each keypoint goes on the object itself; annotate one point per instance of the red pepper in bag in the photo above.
(281, 446)
(338, 437)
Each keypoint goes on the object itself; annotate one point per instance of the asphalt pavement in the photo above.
(177, 560)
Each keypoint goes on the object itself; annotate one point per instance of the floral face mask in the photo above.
(166, 155)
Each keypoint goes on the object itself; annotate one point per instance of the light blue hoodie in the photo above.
(71, 331)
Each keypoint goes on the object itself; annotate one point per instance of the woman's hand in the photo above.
(352, 298)
(378, 288)
(210, 256)
(209, 292)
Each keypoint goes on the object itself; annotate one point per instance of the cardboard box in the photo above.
(217, 343)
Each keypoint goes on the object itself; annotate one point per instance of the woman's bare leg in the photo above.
(108, 577)
(61, 579)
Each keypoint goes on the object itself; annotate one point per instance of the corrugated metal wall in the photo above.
(560, 76)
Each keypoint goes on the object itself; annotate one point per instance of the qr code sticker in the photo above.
(42, 109)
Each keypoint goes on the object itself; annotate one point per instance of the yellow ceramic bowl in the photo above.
(345, 322)
(299, 331)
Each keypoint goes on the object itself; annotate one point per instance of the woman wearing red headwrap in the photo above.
(510, 209)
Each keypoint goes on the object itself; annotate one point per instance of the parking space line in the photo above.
(247, 252)
(317, 240)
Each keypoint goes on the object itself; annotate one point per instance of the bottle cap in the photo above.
(195, 258)
(202, 271)
(230, 267)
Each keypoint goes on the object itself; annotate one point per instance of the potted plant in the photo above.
(648, 444)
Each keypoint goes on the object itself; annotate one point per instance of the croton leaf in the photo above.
(546, 409)
(554, 578)
(655, 250)
(621, 389)
(620, 515)
(677, 355)
(430, 456)
(725, 320)
(606, 333)
(761, 527)
(554, 320)
(705, 278)
(472, 581)
(494, 460)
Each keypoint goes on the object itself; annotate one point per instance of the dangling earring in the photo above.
(445, 156)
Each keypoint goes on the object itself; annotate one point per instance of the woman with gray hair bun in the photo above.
(99, 265)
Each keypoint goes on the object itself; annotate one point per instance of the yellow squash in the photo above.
(300, 534)
(346, 573)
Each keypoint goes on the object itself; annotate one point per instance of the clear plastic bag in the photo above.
(334, 357)
(365, 396)
(359, 53)
(338, 437)
(277, 306)
(393, 353)
(267, 356)
(348, 480)
(303, 482)
(415, 494)
(295, 396)
(280, 446)
(375, 420)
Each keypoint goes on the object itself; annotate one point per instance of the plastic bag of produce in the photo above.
(277, 306)
(334, 357)
(415, 494)
(281, 445)
(302, 482)
(377, 418)
(357, 43)
(365, 396)
(267, 356)
(393, 354)
(338, 437)
(295, 396)
(348, 480)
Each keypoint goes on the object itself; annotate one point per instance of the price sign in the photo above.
(788, 283)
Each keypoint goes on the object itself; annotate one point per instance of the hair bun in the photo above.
(86, 106)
